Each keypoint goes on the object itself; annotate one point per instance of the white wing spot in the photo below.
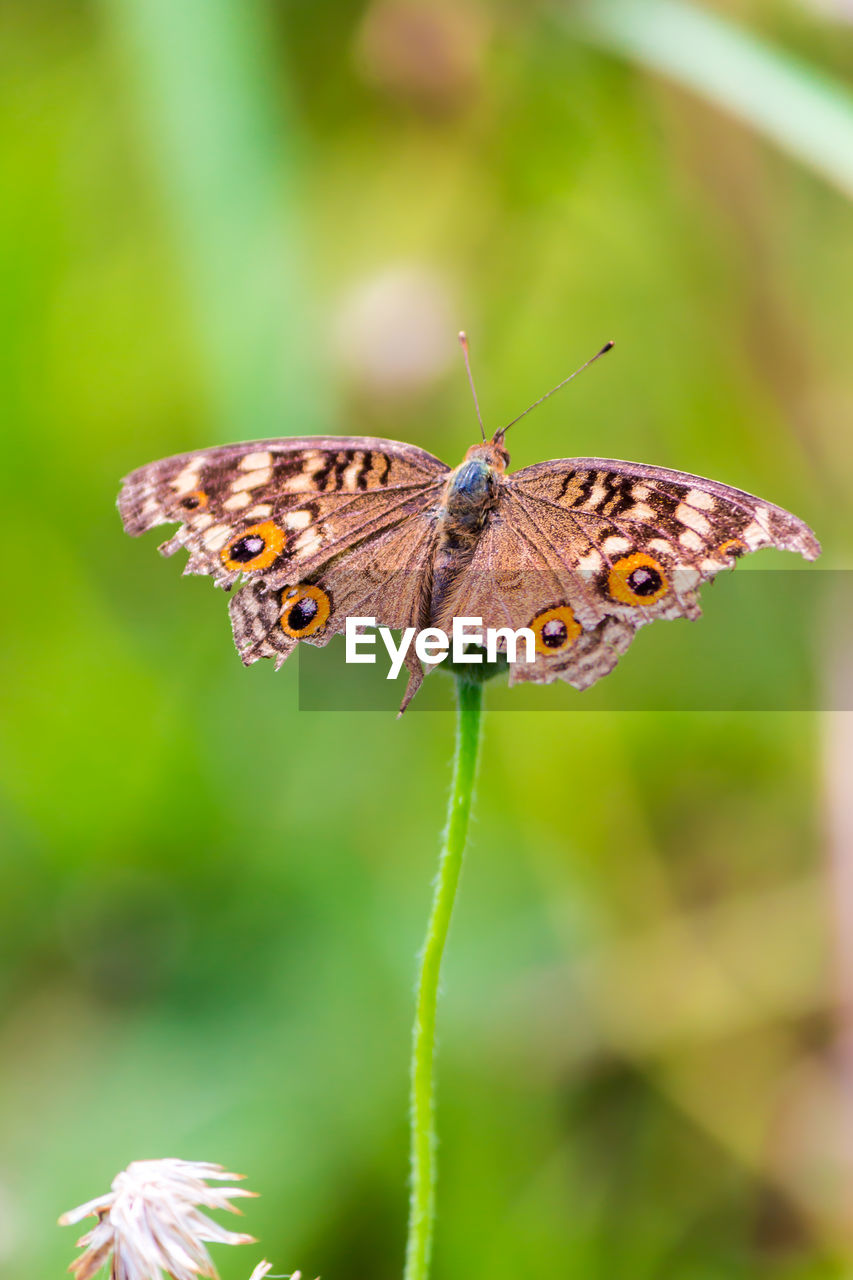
(349, 479)
(691, 540)
(256, 461)
(260, 510)
(313, 461)
(616, 543)
(692, 518)
(597, 495)
(297, 519)
(754, 535)
(252, 479)
(188, 479)
(590, 562)
(639, 512)
(308, 542)
(216, 537)
(699, 498)
(237, 501)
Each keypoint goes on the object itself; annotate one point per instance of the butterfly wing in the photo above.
(386, 578)
(279, 508)
(585, 551)
(322, 528)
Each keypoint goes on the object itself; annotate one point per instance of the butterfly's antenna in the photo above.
(463, 339)
(503, 430)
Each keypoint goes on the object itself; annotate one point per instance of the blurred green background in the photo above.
(225, 219)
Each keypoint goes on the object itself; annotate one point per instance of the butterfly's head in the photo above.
(491, 452)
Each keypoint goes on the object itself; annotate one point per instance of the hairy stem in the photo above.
(469, 703)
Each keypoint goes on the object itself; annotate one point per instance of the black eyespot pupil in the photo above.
(644, 581)
(554, 633)
(302, 613)
(190, 503)
(247, 548)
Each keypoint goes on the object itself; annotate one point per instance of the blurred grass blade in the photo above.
(226, 159)
(803, 111)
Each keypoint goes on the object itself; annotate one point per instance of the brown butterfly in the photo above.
(582, 551)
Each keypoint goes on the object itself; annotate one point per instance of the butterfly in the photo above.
(581, 551)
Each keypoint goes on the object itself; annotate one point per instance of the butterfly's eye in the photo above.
(555, 629)
(637, 579)
(254, 548)
(304, 610)
(197, 500)
(730, 549)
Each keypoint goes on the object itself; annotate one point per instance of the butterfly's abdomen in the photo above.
(470, 494)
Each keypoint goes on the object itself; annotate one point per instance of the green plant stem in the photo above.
(469, 702)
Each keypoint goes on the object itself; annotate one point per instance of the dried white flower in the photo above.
(261, 1270)
(263, 1267)
(149, 1222)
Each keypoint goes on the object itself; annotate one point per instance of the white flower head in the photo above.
(149, 1223)
(261, 1270)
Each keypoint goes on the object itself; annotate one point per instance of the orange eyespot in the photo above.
(555, 629)
(637, 579)
(255, 548)
(729, 549)
(195, 501)
(304, 610)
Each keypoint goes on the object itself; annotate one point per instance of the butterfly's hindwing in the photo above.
(386, 578)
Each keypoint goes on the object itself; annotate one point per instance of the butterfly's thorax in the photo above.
(469, 497)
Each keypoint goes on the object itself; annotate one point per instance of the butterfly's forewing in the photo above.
(585, 551)
(692, 515)
(279, 508)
